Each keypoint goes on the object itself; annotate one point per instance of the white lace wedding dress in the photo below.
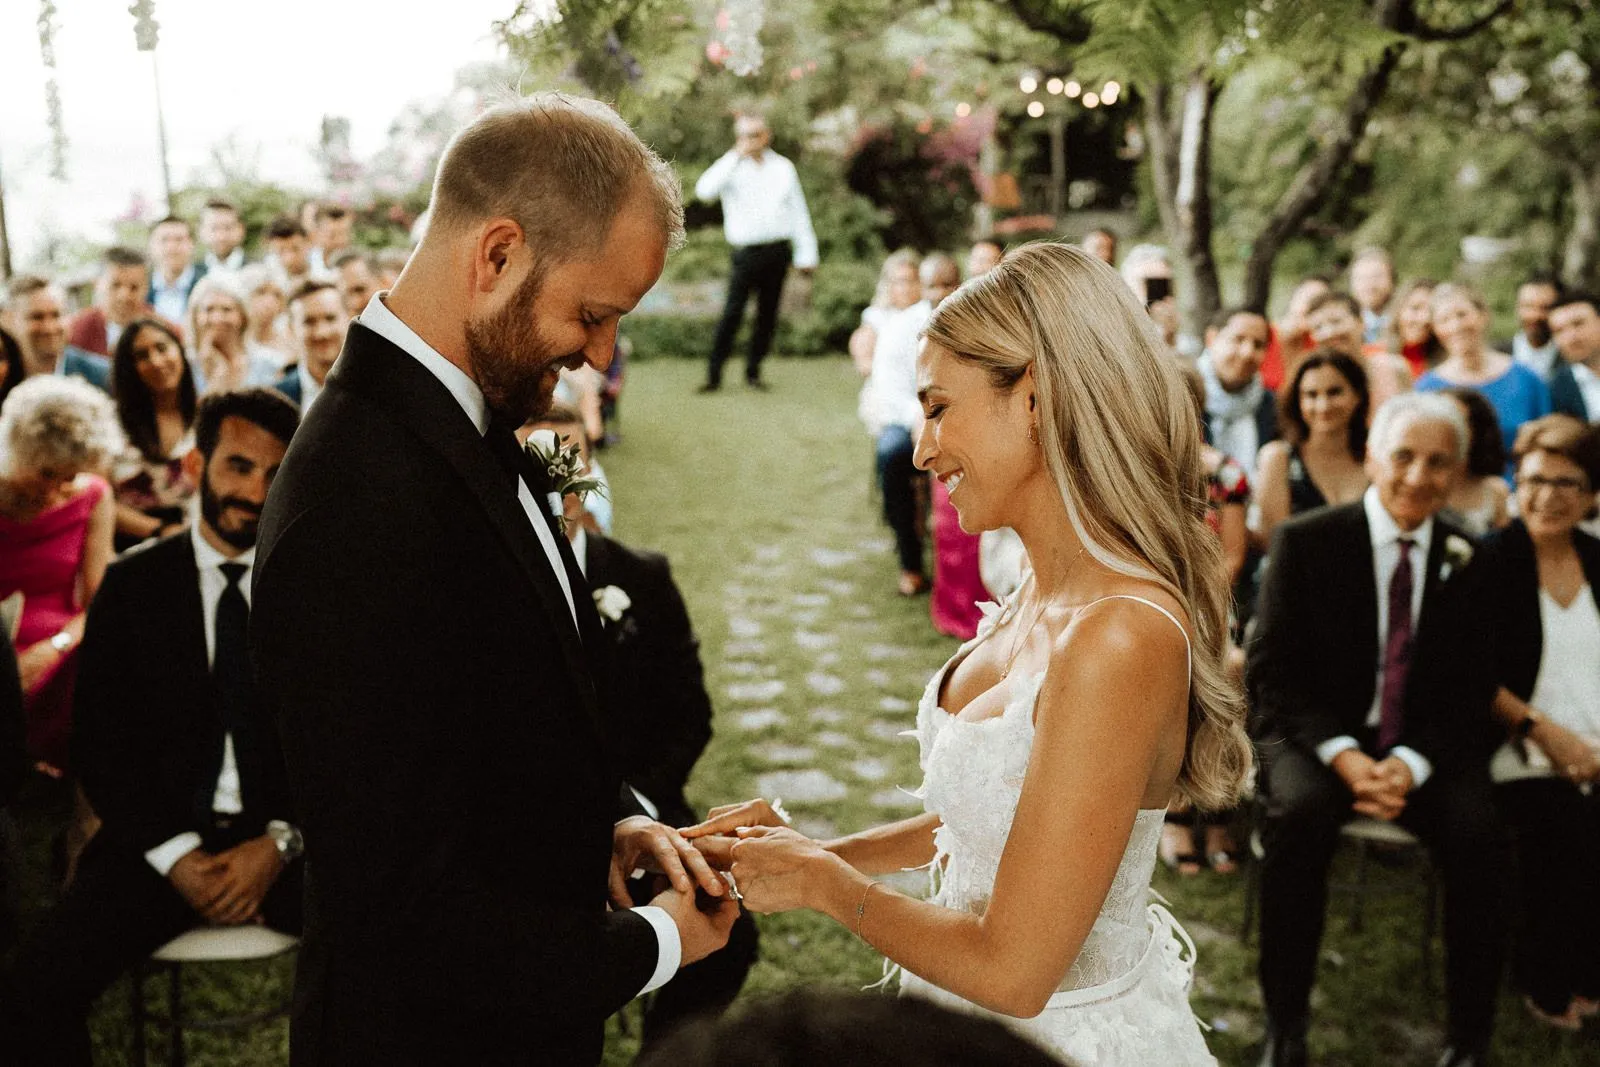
(1125, 1001)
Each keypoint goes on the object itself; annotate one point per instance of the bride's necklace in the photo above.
(1019, 639)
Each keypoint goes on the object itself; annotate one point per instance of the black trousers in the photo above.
(1557, 832)
(1456, 818)
(897, 480)
(117, 911)
(758, 269)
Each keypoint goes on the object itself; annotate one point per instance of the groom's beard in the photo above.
(510, 359)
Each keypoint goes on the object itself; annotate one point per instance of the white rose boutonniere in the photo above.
(1457, 554)
(611, 602)
(565, 468)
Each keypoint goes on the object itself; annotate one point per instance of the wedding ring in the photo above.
(733, 887)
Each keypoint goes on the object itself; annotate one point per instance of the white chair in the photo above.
(204, 944)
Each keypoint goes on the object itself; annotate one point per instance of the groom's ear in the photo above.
(498, 243)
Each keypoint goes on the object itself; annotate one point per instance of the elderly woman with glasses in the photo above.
(1542, 573)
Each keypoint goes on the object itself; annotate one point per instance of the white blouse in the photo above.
(1567, 690)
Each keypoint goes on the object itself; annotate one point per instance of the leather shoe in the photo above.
(758, 385)
(708, 387)
(1284, 1050)
(1464, 1057)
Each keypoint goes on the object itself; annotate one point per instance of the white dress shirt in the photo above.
(890, 395)
(309, 389)
(227, 799)
(1589, 385)
(1386, 536)
(379, 319)
(233, 263)
(761, 202)
(172, 301)
(1540, 360)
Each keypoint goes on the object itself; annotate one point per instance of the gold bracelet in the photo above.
(861, 908)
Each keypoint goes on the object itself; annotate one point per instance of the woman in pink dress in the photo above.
(957, 584)
(57, 437)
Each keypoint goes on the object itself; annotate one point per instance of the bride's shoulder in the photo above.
(1142, 622)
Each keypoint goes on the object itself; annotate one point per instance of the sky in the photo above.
(264, 72)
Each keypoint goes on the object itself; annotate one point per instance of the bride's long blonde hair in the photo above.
(1122, 442)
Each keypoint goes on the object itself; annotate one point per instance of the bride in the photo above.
(1053, 741)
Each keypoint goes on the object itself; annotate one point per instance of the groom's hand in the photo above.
(639, 841)
(702, 930)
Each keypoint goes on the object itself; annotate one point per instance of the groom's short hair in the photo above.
(560, 166)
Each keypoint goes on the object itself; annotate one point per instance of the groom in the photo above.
(430, 645)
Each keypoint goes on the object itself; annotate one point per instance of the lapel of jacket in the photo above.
(373, 367)
(1362, 581)
(1432, 581)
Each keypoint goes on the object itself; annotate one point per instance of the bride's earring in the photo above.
(1033, 433)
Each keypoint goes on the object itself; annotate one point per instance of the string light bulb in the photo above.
(1028, 84)
(1091, 99)
(1054, 86)
(1035, 109)
(1073, 89)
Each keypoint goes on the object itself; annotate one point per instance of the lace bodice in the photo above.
(1124, 1001)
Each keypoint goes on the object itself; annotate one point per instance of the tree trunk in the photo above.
(1180, 169)
(1580, 261)
(1315, 178)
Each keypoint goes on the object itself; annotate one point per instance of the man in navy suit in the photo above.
(38, 307)
(318, 321)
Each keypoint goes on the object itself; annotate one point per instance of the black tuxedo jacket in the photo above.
(1511, 578)
(445, 740)
(13, 751)
(657, 684)
(1314, 657)
(146, 724)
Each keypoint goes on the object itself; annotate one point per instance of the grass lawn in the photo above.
(763, 503)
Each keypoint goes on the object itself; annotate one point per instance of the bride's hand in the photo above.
(778, 869)
(729, 817)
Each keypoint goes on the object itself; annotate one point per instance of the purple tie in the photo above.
(1396, 651)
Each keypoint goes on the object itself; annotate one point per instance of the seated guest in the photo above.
(1408, 742)
(1291, 337)
(898, 288)
(317, 323)
(890, 408)
(1240, 413)
(1575, 324)
(13, 773)
(1372, 286)
(156, 398)
(353, 274)
(1542, 574)
(1102, 245)
(1409, 334)
(178, 755)
(174, 274)
(222, 236)
(11, 364)
(808, 1027)
(1518, 395)
(58, 436)
(225, 358)
(1334, 319)
(37, 306)
(267, 302)
(331, 229)
(1478, 502)
(1320, 460)
(1532, 345)
(119, 298)
(658, 694)
(289, 253)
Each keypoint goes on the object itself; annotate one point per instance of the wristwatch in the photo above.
(61, 641)
(287, 838)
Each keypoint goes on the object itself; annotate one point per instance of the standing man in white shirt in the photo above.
(175, 272)
(177, 753)
(765, 219)
(433, 652)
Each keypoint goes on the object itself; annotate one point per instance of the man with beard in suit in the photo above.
(663, 714)
(178, 756)
(1389, 720)
(430, 645)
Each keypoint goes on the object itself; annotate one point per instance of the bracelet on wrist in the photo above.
(861, 907)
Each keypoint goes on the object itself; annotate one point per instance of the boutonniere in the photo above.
(564, 468)
(1457, 554)
(611, 602)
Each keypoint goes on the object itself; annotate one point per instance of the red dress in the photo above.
(957, 585)
(43, 558)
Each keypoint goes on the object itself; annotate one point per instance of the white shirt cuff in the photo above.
(669, 946)
(1416, 761)
(648, 806)
(166, 855)
(1335, 745)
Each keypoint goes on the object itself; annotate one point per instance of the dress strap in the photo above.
(1187, 648)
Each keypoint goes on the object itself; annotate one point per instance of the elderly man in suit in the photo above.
(431, 647)
(178, 754)
(1368, 674)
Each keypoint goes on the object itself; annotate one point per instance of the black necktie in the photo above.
(230, 669)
